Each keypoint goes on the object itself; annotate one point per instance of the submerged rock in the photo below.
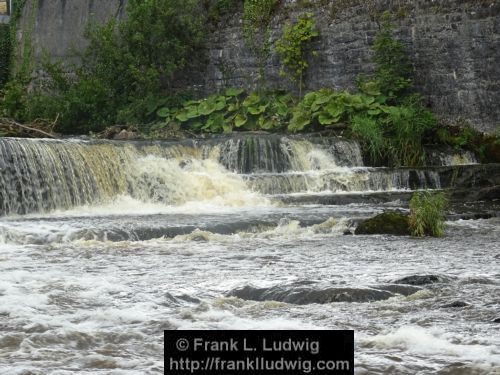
(456, 304)
(421, 280)
(308, 295)
(392, 222)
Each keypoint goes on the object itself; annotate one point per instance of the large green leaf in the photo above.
(163, 112)
(322, 98)
(299, 122)
(335, 109)
(257, 110)
(326, 119)
(216, 123)
(227, 127)
(240, 120)
(251, 100)
(233, 107)
(182, 116)
(192, 112)
(234, 92)
(371, 88)
(206, 107)
(266, 123)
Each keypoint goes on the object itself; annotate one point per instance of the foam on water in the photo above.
(424, 341)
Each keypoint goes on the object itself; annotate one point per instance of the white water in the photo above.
(90, 289)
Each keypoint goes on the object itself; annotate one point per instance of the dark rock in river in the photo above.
(496, 320)
(307, 295)
(456, 304)
(421, 280)
(394, 223)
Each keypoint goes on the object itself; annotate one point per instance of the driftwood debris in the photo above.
(39, 128)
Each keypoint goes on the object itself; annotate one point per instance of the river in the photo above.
(104, 245)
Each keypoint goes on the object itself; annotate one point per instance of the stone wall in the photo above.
(454, 44)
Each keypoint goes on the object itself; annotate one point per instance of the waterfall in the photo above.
(38, 175)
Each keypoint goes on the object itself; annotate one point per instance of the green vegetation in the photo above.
(257, 16)
(126, 70)
(393, 69)
(7, 41)
(390, 135)
(234, 110)
(292, 48)
(129, 71)
(5, 53)
(216, 9)
(486, 147)
(427, 214)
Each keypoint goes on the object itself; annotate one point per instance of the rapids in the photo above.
(103, 245)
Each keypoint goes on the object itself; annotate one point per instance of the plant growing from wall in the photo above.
(393, 69)
(427, 214)
(257, 16)
(293, 48)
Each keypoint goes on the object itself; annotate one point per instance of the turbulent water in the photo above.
(104, 245)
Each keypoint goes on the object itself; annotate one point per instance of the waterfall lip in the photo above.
(233, 170)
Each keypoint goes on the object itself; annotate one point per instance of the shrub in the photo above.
(292, 48)
(126, 72)
(393, 68)
(427, 214)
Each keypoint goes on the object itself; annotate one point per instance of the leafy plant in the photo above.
(292, 48)
(327, 107)
(427, 214)
(234, 110)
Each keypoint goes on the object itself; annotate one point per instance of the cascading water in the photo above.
(44, 175)
(103, 245)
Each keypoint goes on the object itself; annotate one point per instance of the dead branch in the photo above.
(12, 123)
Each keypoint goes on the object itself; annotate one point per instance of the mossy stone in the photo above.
(392, 222)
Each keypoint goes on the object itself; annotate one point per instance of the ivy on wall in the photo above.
(257, 16)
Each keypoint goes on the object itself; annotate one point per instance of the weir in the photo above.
(42, 175)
